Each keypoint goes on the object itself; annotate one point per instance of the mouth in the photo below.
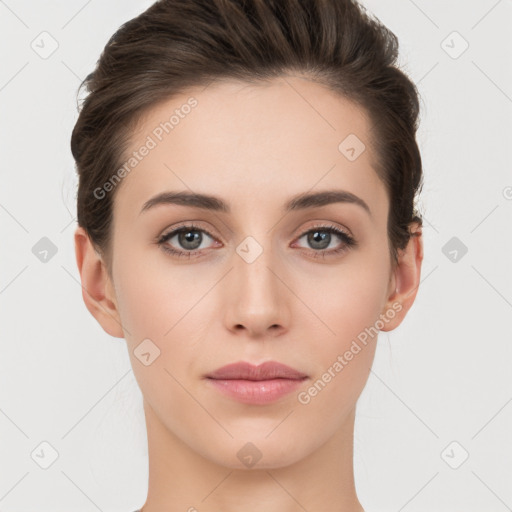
(251, 384)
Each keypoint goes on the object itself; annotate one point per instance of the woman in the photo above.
(247, 180)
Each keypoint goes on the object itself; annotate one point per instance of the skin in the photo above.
(255, 146)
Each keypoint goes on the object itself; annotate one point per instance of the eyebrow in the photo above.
(213, 203)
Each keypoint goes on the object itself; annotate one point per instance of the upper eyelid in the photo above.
(184, 227)
(174, 231)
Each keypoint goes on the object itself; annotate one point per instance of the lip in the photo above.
(252, 384)
(265, 371)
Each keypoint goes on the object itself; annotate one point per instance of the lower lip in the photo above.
(256, 391)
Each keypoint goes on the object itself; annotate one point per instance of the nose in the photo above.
(257, 298)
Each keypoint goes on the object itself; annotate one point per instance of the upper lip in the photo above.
(265, 371)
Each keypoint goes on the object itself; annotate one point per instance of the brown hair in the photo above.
(176, 44)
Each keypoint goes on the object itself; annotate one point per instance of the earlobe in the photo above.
(97, 290)
(406, 278)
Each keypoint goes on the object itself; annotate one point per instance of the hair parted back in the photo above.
(177, 44)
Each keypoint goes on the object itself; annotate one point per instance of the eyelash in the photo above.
(348, 241)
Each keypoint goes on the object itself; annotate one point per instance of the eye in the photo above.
(189, 239)
(320, 237)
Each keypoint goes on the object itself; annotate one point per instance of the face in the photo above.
(306, 286)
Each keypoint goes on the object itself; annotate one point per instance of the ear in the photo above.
(405, 279)
(97, 289)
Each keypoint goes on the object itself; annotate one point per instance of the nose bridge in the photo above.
(257, 300)
(254, 259)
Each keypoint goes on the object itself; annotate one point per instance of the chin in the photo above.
(256, 455)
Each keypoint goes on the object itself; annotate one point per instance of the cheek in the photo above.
(348, 299)
(153, 295)
(355, 304)
(160, 304)
(168, 305)
(347, 308)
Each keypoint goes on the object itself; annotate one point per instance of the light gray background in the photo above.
(444, 375)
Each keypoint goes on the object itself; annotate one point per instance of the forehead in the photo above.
(252, 142)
